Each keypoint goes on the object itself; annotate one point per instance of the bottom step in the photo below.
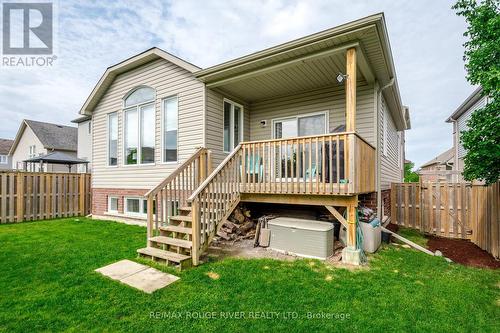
(165, 255)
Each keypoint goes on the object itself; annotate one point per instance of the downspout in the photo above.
(379, 148)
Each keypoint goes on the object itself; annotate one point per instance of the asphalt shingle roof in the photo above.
(442, 158)
(5, 145)
(53, 136)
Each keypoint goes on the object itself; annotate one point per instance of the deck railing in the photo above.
(214, 200)
(340, 163)
(330, 164)
(172, 193)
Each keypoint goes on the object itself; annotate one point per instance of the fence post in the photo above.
(195, 225)
(20, 197)
(81, 193)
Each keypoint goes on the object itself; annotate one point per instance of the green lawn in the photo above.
(48, 283)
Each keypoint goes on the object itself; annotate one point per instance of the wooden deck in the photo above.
(186, 210)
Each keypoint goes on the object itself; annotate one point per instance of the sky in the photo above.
(426, 38)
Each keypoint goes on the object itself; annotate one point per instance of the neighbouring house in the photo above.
(317, 121)
(459, 119)
(45, 147)
(437, 169)
(84, 146)
(5, 158)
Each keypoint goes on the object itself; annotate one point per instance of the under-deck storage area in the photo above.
(307, 238)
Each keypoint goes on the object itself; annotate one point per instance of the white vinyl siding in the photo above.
(85, 144)
(462, 123)
(168, 80)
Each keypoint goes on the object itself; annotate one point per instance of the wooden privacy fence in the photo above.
(451, 210)
(26, 196)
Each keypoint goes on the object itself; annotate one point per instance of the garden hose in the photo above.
(360, 240)
(359, 237)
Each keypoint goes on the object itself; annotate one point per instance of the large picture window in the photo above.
(170, 128)
(139, 127)
(113, 139)
(233, 125)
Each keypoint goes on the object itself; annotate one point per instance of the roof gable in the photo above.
(52, 136)
(442, 158)
(112, 72)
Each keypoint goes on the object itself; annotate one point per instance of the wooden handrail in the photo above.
(213, 174)
(308, 137)
(175, 173)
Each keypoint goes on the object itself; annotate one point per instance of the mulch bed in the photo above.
(463, 252)
(459, 250)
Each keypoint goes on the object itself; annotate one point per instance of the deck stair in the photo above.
(177, 236)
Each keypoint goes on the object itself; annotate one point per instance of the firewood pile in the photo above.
(237, 227)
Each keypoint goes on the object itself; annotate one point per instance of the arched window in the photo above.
(139, 126)
(139, 96)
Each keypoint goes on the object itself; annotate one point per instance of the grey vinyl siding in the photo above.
(168, 80)
(390, 171)
(331, 99)
(462, 123)
(214, 123)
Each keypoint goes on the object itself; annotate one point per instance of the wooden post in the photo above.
(82, 194)
(20, 197)
(352, 210)
(203, 168)
(350, 90)
(209, 162)
(195, 225)
(150, 219)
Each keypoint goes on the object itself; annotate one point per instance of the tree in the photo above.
(482, 61)
(410, 175)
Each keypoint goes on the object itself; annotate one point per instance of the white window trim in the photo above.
(109, 204)
(32, 151)
(107, 140)
(162, 119)
(141, 205)
(137, 108)
(302, 115)
(4, 159)
(231, 123)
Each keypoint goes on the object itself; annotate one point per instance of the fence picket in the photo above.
(452, 210)
(26, 196)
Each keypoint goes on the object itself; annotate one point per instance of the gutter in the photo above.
(379, 148)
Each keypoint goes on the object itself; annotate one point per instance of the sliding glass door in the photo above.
(298, 126)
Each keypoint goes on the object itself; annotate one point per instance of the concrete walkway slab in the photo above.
(150, 280)
(136, 275)
(121, 269)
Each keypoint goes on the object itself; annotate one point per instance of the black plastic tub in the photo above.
(386, 237)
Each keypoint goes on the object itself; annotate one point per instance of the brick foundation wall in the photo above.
(100, 198)
(370, 200)
(386, 201)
